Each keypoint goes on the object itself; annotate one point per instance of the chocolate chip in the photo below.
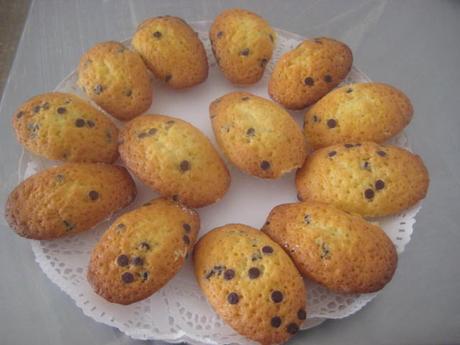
(251, 132)
(253, 273)
(315, 118)
(61, 110)
(144, 246)
(138, 261)
(175, 197)
(93, 195)
(277, 296)
(79, 123)
(20, 114)
(309, 81)
(36, 109)
(327, 78)
(186, 239)
(128, 93)
(265, 165)
(332, 153)
(59, 178)
(271, 37)
(98, 89)
(209, 274)
(348, 145)
(302, 314)
(121, 226)
(90, 123)
(292, 328)
(157, 34)
(184, 166)
(229, 274)
(263, 62)
(46, 106)
(381, 153)
(331, 123)
(245, 52)
(144, 276)
(366, 165)
(275, 321)
(233, 298)
(245, 98)
(142, 135)
(267, 250)
(122, 260)
(68, 225)
(349, 90)
(168, 77)
(220, 34)
(256, 256)
(127, 277)
(152, 131)
(379, 184)
(307, 219)
(369, 193)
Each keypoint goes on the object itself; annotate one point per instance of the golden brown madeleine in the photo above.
(257, 135)
(357, 112)
(364, 178)
(175, 159)
(242, 43)
(305, 74)
(117, 79)
(68, 199)
(341, 251)
(251, 283)
(172, 51)
(61, 126)
(142, 251)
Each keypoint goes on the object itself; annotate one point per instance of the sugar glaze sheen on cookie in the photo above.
(172, 50)
(251, 283)
(142, 250)
(357, 112)
(116, 78)
(257, 135)
(305, 74)
(365, 178)
(61, 126)
(175, 159)
(68, 199)
(341, 251)
(242, 43)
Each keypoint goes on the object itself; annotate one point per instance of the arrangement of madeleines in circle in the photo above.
(252, 278)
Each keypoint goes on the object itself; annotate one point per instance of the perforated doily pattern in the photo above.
(179, 312)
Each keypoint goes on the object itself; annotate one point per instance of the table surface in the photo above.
(412, 45)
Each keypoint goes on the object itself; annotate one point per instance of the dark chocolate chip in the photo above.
(20, 114)
(244, 52)
(220, 34)
(332, 153)
(229, 274)
(267, 249)
(251, 132)
(138, 261)
(275, 321)
(327, 78)
(152, 131)
(381, 153)
(307, 219)
(145, 276)
(263, 62)
(253, 273)
(187, 227)
(61, 110)
(79, 123)
(93, 195)
(349, 90)
(379, 184)
(36, 109)
(309, 81)
(122, 260)
(348, 145)
(144, 246)
(366, 165)
(233, 298)
(277, 296)
(59, 178)
(292, 328)
(265, 165)
(331, 123)
(98, 89)
(168, 77)
(142, 135)
(68, 225)
(127, 277)
(157, 34)
(369, 193)
(209, 274)
(184, 165)
(175, 197)
(315, 118)
(90, 123)
(186, 239)
(302, 314)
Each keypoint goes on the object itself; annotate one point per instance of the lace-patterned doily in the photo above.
(179, 312)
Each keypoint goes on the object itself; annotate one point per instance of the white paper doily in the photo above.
(179, 312)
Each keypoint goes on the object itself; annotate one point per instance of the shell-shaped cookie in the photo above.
(142, 250)
(364, 178)
(117, 79)
(357, 112)
(68, 199)
(61, 126)
(257, 135)
(172, 51)
(305, 74)
(174, 158)
(242, 43)
(341, 251)
(251, 283)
